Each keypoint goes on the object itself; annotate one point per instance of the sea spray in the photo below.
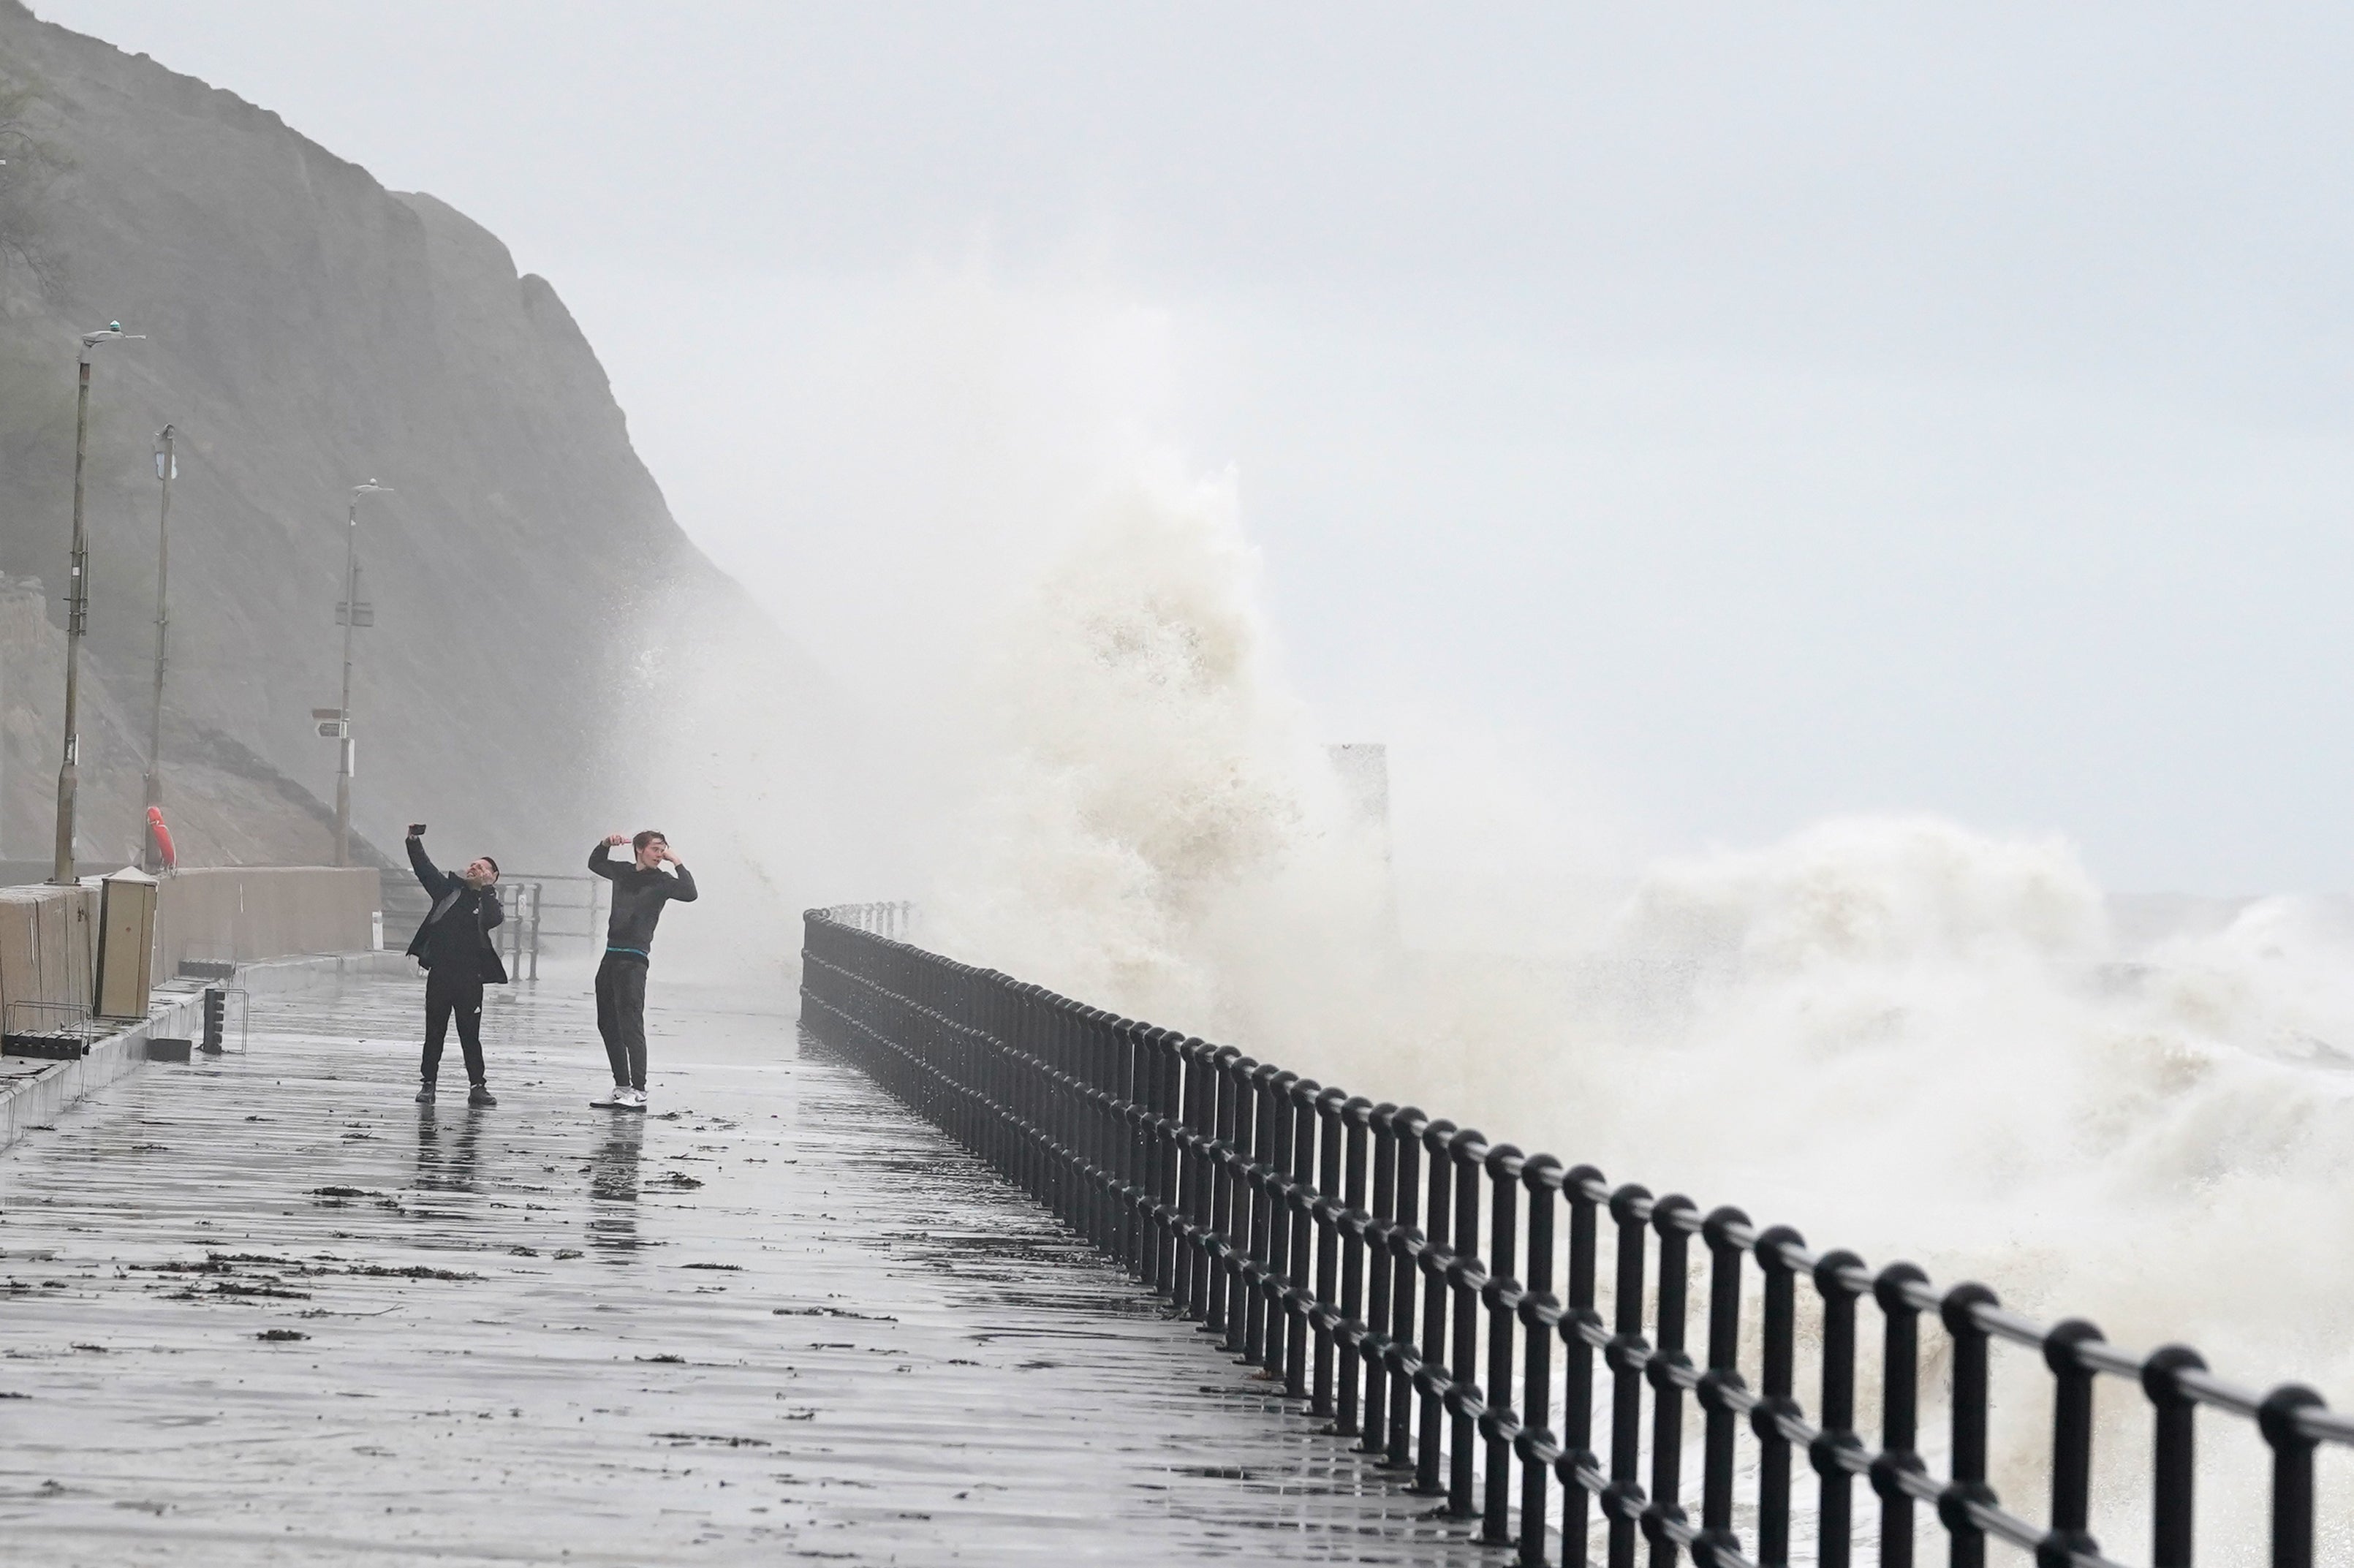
(1906, 1037)
(730, 739)
(1151, 821)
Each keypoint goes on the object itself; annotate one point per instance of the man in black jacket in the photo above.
(640, 890)
(455, 946)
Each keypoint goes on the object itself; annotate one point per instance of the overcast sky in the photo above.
(1733, 415)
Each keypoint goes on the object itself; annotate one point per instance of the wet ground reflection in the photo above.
(613, 1170)
(448, 1149)
(262, 1308)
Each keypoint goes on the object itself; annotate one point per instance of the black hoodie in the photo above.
(458, 930)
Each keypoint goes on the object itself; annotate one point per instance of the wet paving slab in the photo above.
(263, 1309)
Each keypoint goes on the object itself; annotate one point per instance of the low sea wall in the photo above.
(242, 915)
(233, 914)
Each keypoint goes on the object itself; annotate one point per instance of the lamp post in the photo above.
(167, 468)
(351, 614)
(61, 868)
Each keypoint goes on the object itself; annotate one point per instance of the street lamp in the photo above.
(167, 469)
(353, 615)
(61, 869)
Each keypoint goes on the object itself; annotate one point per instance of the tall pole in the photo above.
(351, 623)
(62, 867)
(167, 468)
(343, 743)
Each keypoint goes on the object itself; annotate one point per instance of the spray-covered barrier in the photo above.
(1396, 1273)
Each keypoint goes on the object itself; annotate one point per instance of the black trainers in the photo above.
(425, 1095)
(479, 1095)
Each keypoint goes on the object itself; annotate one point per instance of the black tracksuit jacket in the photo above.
(459, 927)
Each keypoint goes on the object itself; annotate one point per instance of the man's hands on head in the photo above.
(612, 839)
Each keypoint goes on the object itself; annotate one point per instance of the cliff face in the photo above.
(307, 330)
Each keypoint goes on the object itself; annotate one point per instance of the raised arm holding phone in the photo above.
(454, 946)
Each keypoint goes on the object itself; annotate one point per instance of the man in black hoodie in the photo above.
(455, 946)
(640, 890)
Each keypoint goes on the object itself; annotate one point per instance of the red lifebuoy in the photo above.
(163, 837)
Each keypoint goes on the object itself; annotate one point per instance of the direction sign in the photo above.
(367, 613)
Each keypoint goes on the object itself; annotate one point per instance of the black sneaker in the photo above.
(479, 1095)
(424, 1096)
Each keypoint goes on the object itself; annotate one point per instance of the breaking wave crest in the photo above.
(1900, 1034)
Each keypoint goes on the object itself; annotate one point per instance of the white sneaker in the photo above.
(636, 1101)
(619, 1099)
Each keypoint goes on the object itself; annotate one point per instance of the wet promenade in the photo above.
(263, 1309)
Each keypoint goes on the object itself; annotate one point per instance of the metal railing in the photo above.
(1368, 1255)
(541, 907)
(895, 920)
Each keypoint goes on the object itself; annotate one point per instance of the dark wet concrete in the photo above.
(264, 1309)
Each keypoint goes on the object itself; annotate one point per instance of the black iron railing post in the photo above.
(1501, 1296)
(1282, 1129)
(1169, 1163)
(2174, 1478)
(1356, 1224)
(1227, 1080)
(1381, 1225)
(1777, 1401)
(1136, 1054)
(1630, 1208)
(1081, 1130)
(1173, 1135)
(1439, 1209)
(1021, 1096)
(2292, 1446)
(1300, 1195)
(1900, 1378)
(1012, 1007)
(1465, 1274)
(1330, 1312)
(1072, 1061)
(1581, 1326)
(1245, 1202)
(1539, 1314)
(1192, 1211)
(2071, 1437)
(1404, 1357)
(1073, 1128)
(1721, 1384)
(1969, 1487)
(1125, 1048)
(1262, 1165)
(1838, 1281)
(1039, 1083)
(1672, 1220)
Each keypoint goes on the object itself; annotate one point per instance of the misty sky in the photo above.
(1712, 417)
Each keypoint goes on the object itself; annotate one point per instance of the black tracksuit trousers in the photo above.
(621, 1016)
(448, 991)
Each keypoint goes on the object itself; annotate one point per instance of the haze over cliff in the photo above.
(307, 330)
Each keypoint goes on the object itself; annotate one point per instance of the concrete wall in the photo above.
(48, 936)
(241, 914)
